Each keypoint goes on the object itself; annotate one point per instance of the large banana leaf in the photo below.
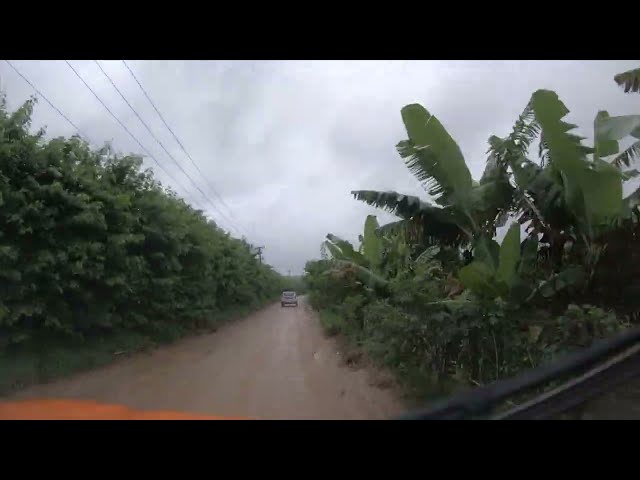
(509, 255)
(539, 193)
(480, 279)
(343, 250)
(592, 191)
(516, 145)
(393, 228)
(446, 224)
(493, 271)
(404, 206)
(494, 193)
(603, 192)
(616, 128)
(609, 130)
(434, 157)
(604, 143)
(521, 285)
(487, 251)
(372, 246)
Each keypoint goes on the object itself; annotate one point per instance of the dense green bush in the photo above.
(90, 244)
(436, 346)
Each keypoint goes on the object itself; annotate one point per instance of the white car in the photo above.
(289, 298)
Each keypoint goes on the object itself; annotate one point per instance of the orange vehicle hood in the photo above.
(53, 409)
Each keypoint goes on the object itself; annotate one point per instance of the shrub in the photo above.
(92, 245)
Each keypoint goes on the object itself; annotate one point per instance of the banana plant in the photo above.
(573, 185)
(592, 189)
(366, 261)
(575, 192)
(462, 208)
(493, 271)
(382, 255)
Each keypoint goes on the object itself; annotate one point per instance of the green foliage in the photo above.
(579, 327)
(421, 221)
(91, 245)
(366, 262)
(459, 309)
(331, 322)
(570, 277)
(465, 209)
(493, 272)
(372, 243)
(629, 80)
(434, 157)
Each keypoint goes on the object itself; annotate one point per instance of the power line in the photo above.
(163, 147)
(125, 127)
(82, 135)
(176, 137)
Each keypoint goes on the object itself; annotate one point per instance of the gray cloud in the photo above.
(285, 142)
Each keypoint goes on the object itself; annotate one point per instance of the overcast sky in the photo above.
(283, 143)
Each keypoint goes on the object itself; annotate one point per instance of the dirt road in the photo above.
(274, 364)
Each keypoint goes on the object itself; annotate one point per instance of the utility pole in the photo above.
(259, 252)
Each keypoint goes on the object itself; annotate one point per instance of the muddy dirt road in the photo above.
(274, 364)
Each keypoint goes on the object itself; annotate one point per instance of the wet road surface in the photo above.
(273, 364)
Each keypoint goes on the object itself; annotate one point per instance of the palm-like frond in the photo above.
(629, 80)
(433, 156)
(525, 130)
(628, 156)
(516, 145)
(403, 206)
(422, 220)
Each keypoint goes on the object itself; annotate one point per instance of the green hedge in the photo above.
(92, 245)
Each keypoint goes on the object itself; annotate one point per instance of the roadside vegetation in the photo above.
(438, 299)
(295, 283)
(98, 258)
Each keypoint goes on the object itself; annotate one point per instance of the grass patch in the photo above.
(32, 364)
(330, 322)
